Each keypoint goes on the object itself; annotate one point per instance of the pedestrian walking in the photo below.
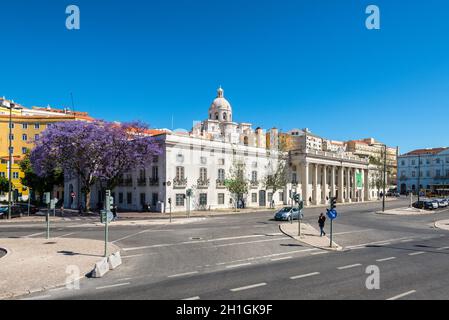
(321, 223)
(114, 212)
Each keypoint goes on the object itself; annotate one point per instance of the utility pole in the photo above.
(10, 161)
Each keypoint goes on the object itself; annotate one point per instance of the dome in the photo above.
(220, 108)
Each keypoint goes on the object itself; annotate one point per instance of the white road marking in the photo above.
(238, 265)
(249, 242)
(249, 287)
(402, 295)
(128, 236)
(386, 259)
(132, 256)
(317, 253)
(57, 289)
(182, 274)
(279, 259)
(416, 253)
(305, 275)
(407, 240)
(38, 298)
(113, 286)
(124, 279)
(33, 235)
(443, 248)
(385, 244)
(65, 235)
(349, 232)
(350, 266)
(377, 242)
(193, 298)
(201, 241)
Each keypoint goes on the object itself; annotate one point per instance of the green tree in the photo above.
(236, 183)
(4, 184)
(39, 185)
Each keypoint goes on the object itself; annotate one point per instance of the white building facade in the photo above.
(204, 158)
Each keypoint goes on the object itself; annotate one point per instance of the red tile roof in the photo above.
(425, 151)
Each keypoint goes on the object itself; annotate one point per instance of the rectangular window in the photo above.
(428, 173)
(203, 174)
(180, 173)
(270, 196)
(155, 159)
(403, 163)
(203, 199)
(155, 199)
(254, 176)
(203, 160)
(221, 175)
(413, 162)
(143, 199)
(24, 150)
(438, 172)
(427, 161)
(2, 174)
(413, 173)
(180, 200)
(155, 172)
(24, 137)
(221, 198)
(253, 197)
(11, 136)
(15, 175)
(120, 197)
(129, 198)
(12, 126)
(37, 126)
(24, 125)
(36, 137)
(221, 162)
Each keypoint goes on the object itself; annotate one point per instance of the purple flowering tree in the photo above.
(96, 152)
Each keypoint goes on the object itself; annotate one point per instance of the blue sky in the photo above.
(282, 63)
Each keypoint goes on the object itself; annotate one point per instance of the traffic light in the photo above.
(300, 205)
(333, 203)
(296, 197)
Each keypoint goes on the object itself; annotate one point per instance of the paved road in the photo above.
(246, 257)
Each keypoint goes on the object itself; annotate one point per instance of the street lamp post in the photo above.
(384, 177)
(419, 176)
(10, 161)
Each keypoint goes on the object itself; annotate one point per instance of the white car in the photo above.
(443, 203)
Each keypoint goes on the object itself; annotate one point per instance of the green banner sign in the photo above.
(359, 180)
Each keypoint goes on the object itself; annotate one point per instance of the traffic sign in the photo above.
(332, 214)
(103, 216)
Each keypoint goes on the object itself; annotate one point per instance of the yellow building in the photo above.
(27, 125)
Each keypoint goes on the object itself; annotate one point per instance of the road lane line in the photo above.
(238, 265)
(318, 253)
(377, 242)
(33, 235)
(407, 240)
(137, 255)
(443, 248)
(249, 242)
(386, 259)
(416, 253)
(67, 234)
(305, 275)
(257, 285)
(385, 244)
(350, 266)
(38, 298)
(402, 295)
(280, 259)
(57, 289)
(192, 298)
(182, 274)
(128, 236)
(113, 286)
(124, 279)
(349, 232)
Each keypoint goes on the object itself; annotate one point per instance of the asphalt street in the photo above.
(245, 256)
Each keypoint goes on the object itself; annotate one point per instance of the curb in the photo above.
(338, 249)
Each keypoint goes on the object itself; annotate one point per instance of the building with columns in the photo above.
(202, 159)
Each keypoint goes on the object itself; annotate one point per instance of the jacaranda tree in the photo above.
(95, 152)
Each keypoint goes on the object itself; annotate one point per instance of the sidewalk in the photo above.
(33, 265)
(309, 235)
(405, 211)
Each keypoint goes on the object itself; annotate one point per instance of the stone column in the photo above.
(340, 185)
(348, 185)
(315, 185)
(366, 185)
(324, 187)
(305, 183)
(333, 181)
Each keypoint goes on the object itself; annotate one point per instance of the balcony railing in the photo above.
(203, 183)
(141, 182)
(125, 182)
(180, 182)
(154, 181)
(220, 184)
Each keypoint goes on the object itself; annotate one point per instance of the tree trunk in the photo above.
(88, 200)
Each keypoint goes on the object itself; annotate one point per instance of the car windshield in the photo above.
(286, 209)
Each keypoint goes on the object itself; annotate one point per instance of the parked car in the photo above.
(425, 204)
(286, 213)
(393, 194)
(443, 203)
(24, 207)
(16, 211)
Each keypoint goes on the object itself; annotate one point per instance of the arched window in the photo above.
(245, 141)
(216, 116)
(225, 116)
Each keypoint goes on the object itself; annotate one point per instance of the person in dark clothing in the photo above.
(114, 212)
(321, 223)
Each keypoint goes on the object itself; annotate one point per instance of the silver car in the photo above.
(442, 203)
(286, 213)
